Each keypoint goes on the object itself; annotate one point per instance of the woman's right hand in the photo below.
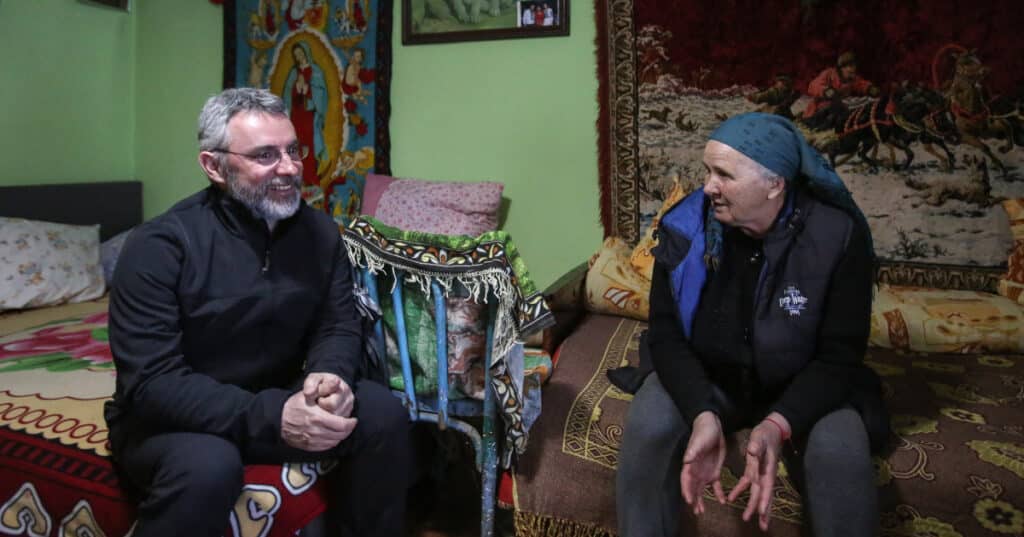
(702, 461)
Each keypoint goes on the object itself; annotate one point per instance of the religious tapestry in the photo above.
(918, 105)
(330, 60)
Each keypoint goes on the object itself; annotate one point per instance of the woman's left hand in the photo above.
(763, 449)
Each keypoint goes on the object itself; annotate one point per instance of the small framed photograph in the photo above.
(447, 21)
(120, 4)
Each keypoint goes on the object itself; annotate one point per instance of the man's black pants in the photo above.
(190, 481)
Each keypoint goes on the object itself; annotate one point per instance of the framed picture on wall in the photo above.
(447, 21)
(121, 4)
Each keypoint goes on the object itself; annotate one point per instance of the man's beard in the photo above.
(257, 198)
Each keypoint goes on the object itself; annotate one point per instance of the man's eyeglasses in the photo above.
(269, 156)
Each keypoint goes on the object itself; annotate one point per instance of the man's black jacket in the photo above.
(214, 319)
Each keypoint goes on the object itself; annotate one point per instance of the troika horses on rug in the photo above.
(923, 119)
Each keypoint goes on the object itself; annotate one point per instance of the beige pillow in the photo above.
(641, 258)
(46, 264)
(1011, 285)
(613, 286)
(943, 320)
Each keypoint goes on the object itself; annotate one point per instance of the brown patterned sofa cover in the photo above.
(955, 467)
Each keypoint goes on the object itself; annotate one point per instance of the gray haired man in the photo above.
(237, 341)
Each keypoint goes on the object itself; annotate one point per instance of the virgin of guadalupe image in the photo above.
(305, 97)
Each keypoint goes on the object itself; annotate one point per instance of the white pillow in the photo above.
(45, 264)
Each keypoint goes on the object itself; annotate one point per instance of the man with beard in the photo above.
(236, 339)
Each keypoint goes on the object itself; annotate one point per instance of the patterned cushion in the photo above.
(948, 321)
(537, 363)
(1012, 284)
(613, 285)
(376, 184)
(444, 208)
(45, 264)
(641, 258)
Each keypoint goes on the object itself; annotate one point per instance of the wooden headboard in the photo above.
(115, 206)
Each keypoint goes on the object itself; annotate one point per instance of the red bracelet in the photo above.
(782, 431)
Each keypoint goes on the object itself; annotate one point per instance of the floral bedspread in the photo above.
(55, 473)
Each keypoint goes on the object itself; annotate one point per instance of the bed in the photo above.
(951, 363)
(56, 371)
(955, 467)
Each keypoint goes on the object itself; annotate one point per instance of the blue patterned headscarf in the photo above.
(775, 143)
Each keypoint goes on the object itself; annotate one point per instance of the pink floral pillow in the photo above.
(442, 207)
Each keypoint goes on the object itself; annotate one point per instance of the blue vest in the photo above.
(685, 220)
(800, 256)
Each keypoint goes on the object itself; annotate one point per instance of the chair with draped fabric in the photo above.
(413, 277)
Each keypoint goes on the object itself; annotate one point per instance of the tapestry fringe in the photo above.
(481, 285)
(534, 525)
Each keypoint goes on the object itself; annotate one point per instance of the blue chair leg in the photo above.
(403, 347)
(441, 329)
(489, 466)
(485, 445)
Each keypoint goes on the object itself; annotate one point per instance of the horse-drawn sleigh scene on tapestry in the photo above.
(918, 107)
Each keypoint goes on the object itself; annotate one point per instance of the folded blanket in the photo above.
(487, 267)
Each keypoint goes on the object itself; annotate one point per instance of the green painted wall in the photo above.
(67, 101)
(179, 51)
(517, 111)
(522, 112)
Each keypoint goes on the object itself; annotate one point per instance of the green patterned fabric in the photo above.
(471, 272)
(488, 264)
(419, 326)
(466, 335)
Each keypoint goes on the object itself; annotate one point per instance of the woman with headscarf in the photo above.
(760, 307)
